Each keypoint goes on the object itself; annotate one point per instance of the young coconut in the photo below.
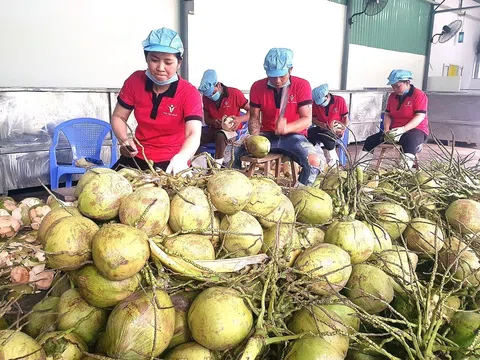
(89, 175)
(233, 227)
(391, 217)
(347, 314)
(352, 236)
(191, 246)
(8, 204)
(327, 266)
(190, 210)
(287, 237)
(182, 302)
(190, 350)
(424, 236)
(128, 337)
(464, 329)
(219, 319)
(9, 226)
(15, 345)
(310, 236)
(464, 265)
(258, 146)
(369, 288)
(53, 216)
(284, 212)
(147, 209)
(120, 251)
(43, 317)
(265, 198)
(312, 348)
(464, 216)
(60, 345)
(229, 191)
(313, 206)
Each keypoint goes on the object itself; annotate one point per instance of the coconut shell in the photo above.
(284, 212)
(53, 216)
(230, 191)
(381, 238)
(287, 238)
(190, 350)
(189, 210)
(17, 345)
(310, 236)
(182, 301)
(43, 317)
(89, 175)
(58, 345)
(312, 348)
(464, 215)
(464, 265)
(424, 236)
(258, 145)
(391, 217)
(241, 245)
(8, 204)
(266, 197)
(191, 246)
(312, 206)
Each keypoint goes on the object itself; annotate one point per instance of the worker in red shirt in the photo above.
(281, 110)
(168, 109)
(330, 115)
(220, 102)
(405, 121)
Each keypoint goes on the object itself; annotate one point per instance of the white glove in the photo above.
(177, 164)
(396, 134)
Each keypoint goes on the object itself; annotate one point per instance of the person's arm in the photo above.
(387, 122)
(193, 132)
(254, 123)
(345, 120)
(210, 121)
(298, 125)
(119, 125)
(420, 105)
(412, 124)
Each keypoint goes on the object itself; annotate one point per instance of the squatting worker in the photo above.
(330, 115)
(168, 109)
(284, 104)
(220, 101)
(405, 121)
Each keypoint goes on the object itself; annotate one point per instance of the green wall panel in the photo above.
(401, 26)
(343, 2)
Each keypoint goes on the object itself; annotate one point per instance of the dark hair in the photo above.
(178, 56)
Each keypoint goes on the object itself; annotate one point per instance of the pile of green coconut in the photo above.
(376, 265)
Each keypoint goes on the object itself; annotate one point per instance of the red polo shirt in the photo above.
(335, 110)
(403, 109)
(161, 118)
(230, 103)
(268, 98)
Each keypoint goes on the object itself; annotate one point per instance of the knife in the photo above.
(284, 101)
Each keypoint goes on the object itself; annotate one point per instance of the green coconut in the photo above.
(8, 204)
(60, 345)
(100, 292)
(120, 251)
(464, 266)
(312, 206)
(53, 216)
(258, 146)
(426, 181)
(67, 243)
(190, 351)
(241, 245)
(3, 323)
(312, 348)
(287, 237)
(464, 329)
(464, 215)
(43, 317)
(229, 191)
(327, 266)
(310, 236)
(347, 314)
(370, 288)
(129, 173)
(101, 197)
(89, 175)
(391, 217)
(265, 198)
(352, 236)
(423, 235)
(191, 246)
(141, 326)
(147, 209)
(189, 210)
(15, 345)
(284, 212)
(331, 181)
(381, 238)
(363, 355)
(87, 320)
(182, 301)
(219, 319)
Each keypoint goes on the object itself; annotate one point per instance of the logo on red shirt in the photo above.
(171, 109)
(409, 103)
(226, 104)
(292, 98)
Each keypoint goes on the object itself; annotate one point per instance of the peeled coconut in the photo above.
(58, 345)
(190, 351)
(36, 214)
(463, 265)
(89, 175)
(74, 312)
(464, 215)
(147, 209)
(67, 242)
(181, 301)
(21, 214)
(53, 216)
(284, 212)
(141, 326)
(391, 217)
(310, 236)
(266, 196)
(8, 204)
(219, 319)
(101, 292)
(120, 251)
(313, 206)
(352, 236)
(189, 210)
(9, 226)
(30, 201)
(191, 246)
(381, 238)
(370, 288)
(101, 197)
(241, 245)
(43, 317)
(321, 259)
(258, 145)
(229, 191)
(15, 345)
(312, 348)
(424, 235)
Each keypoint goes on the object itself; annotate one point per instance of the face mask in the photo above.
(161, 83)
(215, 96)
(406, 91)
(325, 102)
(286, 84)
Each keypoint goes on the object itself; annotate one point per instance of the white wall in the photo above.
(233, 39)
(87, 43)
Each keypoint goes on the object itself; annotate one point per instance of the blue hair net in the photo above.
(163, 40)
(209, 80)
(278, 61)
(319, 93)
(399, 75)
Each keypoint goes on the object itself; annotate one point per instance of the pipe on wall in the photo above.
(346, 46)
(186, 8)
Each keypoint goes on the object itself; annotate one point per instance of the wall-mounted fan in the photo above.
(370, 8)
(448, 32)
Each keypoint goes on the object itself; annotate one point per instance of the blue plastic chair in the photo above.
(342, 156)
(86, 136)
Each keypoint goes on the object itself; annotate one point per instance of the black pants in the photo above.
(317, 135)
(409, 141)
(137, 163)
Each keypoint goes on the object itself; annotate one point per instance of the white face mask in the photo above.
(161, 83)
(285, 85)
(325, 102)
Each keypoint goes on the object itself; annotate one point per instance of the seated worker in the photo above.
(281, 110)
(405, 121)
(330, 115)
(220, 101)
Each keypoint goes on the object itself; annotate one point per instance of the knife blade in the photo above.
(284, 101)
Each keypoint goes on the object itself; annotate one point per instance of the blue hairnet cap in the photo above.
(399, 75)
(278, 61)
(163, 40)
(209, 80)
(319, 93)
